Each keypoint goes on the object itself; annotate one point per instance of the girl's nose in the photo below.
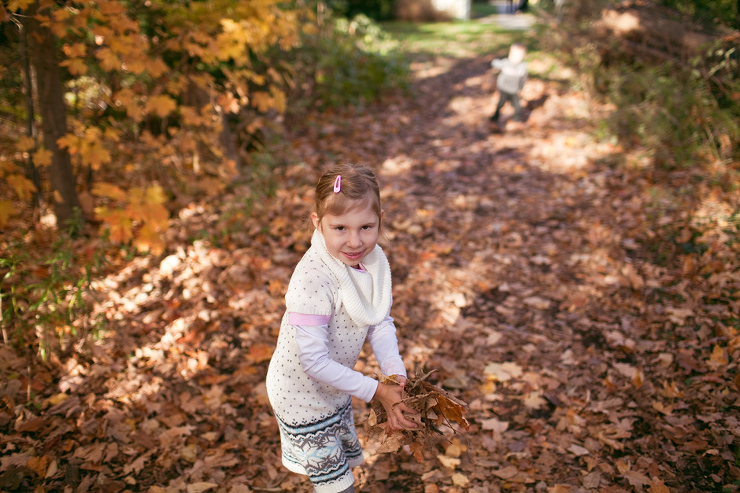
(354, 239)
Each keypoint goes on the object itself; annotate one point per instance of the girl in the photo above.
(339, 295)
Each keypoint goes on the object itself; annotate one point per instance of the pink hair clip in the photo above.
(338, 184)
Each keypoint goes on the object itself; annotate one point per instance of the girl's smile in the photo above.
(351, 236)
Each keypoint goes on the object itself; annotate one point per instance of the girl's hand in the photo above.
(390, 397)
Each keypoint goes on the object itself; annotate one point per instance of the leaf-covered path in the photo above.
(522, 274)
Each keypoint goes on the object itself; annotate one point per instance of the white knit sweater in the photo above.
(354, 301)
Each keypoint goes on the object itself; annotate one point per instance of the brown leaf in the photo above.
(506, 473)
(32, 425)
(111, 452)
(560, 488)
(448, 462)
(17, 459)
(455, 449)
(391, 442)
(38, 465)
(718, 359)
(138, 464)
(452, 411)
(636, 479)
(592, 479)
(200, 487)
(534, 400)
(417, 449)
(657, 486)
(459, 479)
(503, 372)
(93, 452)
(261, 352)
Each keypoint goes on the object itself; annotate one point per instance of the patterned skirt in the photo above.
(324, 450)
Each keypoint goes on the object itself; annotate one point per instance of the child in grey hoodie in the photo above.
(511, 80)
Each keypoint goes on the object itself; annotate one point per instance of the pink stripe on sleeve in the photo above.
(306, 319)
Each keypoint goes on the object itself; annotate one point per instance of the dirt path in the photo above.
(520, 274)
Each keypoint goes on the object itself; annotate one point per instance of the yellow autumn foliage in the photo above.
(195, 67)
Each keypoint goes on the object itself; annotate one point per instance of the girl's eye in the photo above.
(339, 228)
(367, 227)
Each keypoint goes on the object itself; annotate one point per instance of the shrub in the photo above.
(683, 113)
(379, 10)
(345, 62)
(683, 110)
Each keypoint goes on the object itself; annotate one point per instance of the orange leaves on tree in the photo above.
(122, 45)
(42, 157)
(109, 61)
(106, 36)
(190, 116)
(117, 223)
(279, 99)
(149, 239)
(6, 211)
(76, 66)
(161, 105)
(22, 186)
(263, 101)
(112, 134)
(108, 190)
(83, 17)
(123, 24)
(155, 67)
(111, 8)
(89, 146)
(11, 175)
(140, 217)
(25, 144)
(101, 33)
(76, 50)
(232, 43)
(146, 206)
(131, 102)
(62, 15)
(135, 63)
(17, 5)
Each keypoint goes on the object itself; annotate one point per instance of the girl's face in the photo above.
(351, 236)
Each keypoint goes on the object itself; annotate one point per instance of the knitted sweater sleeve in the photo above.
(315, 360)
(384, 342)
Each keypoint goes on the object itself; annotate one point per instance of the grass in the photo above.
(458, 39)
(480, 36)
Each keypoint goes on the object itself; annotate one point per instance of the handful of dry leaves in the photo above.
(436, 408)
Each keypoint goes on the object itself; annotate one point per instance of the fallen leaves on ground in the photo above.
(586, 311)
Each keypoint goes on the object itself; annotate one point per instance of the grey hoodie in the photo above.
(512, 76)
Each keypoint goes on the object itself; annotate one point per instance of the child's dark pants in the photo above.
(502, 99)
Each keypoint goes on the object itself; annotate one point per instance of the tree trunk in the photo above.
(228, 143)
(53, 118)
(31, 172)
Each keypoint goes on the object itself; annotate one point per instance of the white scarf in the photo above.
(366, 295)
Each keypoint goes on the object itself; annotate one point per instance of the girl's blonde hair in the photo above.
(357, 188)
